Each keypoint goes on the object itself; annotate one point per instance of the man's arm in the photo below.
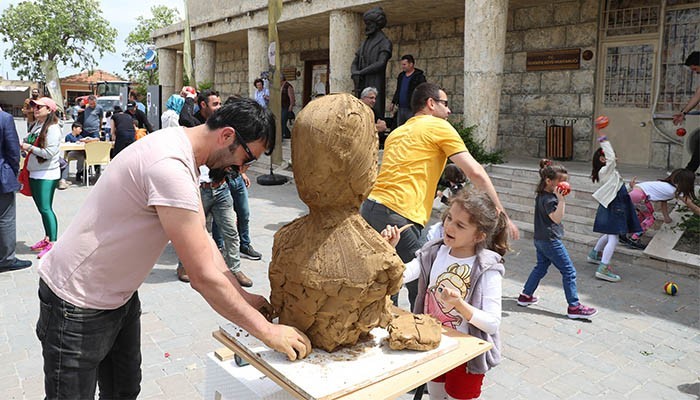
(187, 117)
(206, 267)
(292, 98)
(678, 118)
(144, 121)
(10, 145)
(478, 176)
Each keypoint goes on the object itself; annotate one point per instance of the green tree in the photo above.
(139, 40)
(68, 32)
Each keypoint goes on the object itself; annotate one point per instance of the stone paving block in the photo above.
(175, 385)
(655, 390)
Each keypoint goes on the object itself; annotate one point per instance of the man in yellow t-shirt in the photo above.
(415, 155)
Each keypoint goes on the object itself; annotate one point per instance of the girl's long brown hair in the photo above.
(51, 119)
(483, 213)
(684, 182)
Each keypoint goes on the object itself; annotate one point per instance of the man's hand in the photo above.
(246, 180)
(678, 118)
(261, 304)
(380, 125)
(513, 230)
(288, 340)
(391, 107)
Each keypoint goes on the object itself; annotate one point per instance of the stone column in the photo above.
(484, 47)
(204, 61)
(344, 38)
(257, 56)
(166, 73)
(179, 70)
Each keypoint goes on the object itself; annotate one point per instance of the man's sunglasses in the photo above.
(251, 157)
(444, 102)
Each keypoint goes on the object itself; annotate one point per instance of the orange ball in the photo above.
(601, 122)
(681, 131)
(564, 187)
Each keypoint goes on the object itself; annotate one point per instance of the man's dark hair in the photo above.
(204, 96)
(134, 95)
(255, 82)
(408, 58)
(423, 92)
(251, 120)
(76, 125)
(693, 59)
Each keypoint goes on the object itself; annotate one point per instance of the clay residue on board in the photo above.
(414, 332)
(331, 273)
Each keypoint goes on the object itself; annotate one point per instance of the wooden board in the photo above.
(355, 371)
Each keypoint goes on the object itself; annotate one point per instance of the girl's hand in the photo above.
(391, 234)
(25, 146)
(448, 296)
(558, 192)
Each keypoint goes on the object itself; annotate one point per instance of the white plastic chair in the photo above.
(96, 153)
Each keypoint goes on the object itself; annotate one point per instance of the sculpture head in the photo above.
(334, 152)
(375, 20)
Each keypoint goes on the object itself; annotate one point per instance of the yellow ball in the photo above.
(671, 288)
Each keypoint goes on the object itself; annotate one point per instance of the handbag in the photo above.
(23, 179)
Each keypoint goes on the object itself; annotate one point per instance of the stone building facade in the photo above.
(476, 50)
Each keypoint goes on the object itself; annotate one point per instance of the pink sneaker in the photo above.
(40, 245)
(46, 249)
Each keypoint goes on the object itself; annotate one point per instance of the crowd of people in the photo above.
(195, 167)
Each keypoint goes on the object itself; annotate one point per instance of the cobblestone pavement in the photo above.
(642, 345)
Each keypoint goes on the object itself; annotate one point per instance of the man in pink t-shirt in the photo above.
(89, 323)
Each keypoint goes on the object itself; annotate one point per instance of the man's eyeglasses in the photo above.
(251, 157)
(444, 102)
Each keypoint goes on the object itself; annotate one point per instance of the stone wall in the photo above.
(438, 48)
(291, 57)
(231, 74)
(528, 98)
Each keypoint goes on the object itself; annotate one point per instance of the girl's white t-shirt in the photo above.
(455, 273)
(658, 190)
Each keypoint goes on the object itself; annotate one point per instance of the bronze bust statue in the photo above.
(369, 66)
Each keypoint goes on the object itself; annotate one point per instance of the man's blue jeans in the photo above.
(84, 347)
(219, 203)
(553, 252)
(240, 205)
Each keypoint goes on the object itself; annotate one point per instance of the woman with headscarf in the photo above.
(42, 148)
(171, 116)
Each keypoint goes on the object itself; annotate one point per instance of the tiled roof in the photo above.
(97, 75)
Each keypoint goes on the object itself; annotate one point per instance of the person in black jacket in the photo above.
(139, 116)
(406, 83)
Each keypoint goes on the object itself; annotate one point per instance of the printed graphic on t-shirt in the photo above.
(457, 277)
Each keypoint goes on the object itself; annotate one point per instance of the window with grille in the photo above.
(628, 76)
(681, 37)
(627, 17)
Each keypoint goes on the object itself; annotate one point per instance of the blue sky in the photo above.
(122, 16)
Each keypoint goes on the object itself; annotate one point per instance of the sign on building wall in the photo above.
(553, 59)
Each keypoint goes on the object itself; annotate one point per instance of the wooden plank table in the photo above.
(391, 387)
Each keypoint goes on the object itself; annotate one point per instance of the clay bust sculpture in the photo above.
(331, 272)
(369, 66)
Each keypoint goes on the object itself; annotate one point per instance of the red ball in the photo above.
(681, 131)
(602, 121)
(564, 187)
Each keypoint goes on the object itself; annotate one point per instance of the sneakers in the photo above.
(580, 312)
(632, 243)
(249, 252)
(243, 279)
(594, 257)
(606, 273)
(525, 300)
(39, 245)
(63, 184)
(45, 250)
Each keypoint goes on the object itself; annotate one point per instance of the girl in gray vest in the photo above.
(459, 283)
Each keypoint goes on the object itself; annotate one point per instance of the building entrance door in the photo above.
(625, 95)
(315, 79)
